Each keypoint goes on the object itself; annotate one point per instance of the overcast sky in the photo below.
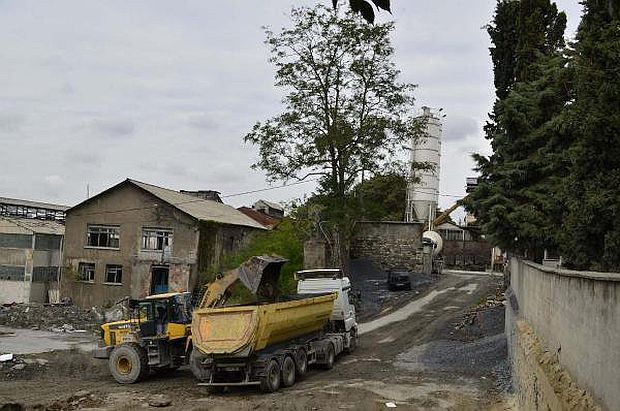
(93, 92)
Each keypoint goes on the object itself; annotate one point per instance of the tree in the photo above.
(381, 198)
(592, 226)
(511, 200)
(365, 8)
(345, 112)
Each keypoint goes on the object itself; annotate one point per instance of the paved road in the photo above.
(383, 369)
(21, 341)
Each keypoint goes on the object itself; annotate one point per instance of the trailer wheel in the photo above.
(128, 363)
(330, 356)
(301, 360)
(288, 371)
(270, 382)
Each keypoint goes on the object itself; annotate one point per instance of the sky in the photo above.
(94, 92)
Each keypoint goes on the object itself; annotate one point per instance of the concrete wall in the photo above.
(132, 210)
(388, 244)
(316, 254)
(576, 317)
(14, 291)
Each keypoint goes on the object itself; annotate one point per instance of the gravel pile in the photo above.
(56, 318)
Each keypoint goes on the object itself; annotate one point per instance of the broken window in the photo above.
(103, 236)
(114, 274)
(86, 272)
(156, 239)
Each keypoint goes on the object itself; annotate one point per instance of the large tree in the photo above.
(512, 201)
(592, 226)
(345, 111)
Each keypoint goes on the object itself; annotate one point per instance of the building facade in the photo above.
(464, 247)
(137, 239)
(30, 259)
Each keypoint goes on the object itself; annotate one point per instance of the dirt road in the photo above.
(416, 358)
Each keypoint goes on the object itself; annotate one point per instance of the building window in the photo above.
(86, 272)
(103, 236)
(114, 274)
(156, 239)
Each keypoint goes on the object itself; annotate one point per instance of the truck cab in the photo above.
(329, 280)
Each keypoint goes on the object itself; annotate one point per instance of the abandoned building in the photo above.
(271, 209)
(136, 239)
(30, 257)
(464, 247)
(12, 207)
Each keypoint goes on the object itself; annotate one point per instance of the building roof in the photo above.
(33, 204)
(14, 225)
(262, 218)
(198, 208)
(275, 206)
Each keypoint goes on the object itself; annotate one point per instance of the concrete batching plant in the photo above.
(423, 186)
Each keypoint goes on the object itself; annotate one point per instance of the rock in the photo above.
(159, 400)
(81, 393)
(29, 361)
(41, 361)
(67, 328)
(18, 367)
(6, 357)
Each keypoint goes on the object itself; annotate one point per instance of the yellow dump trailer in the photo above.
(245, 329)
(272, 344)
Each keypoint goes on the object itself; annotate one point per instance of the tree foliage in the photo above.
(551, 182)
(381, 198)
(345, 112)
(364, 7)
(592, 237)
(511, 201)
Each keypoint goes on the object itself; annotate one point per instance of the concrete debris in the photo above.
(390, 405)
(63, 318)
(6, 357)
(159, 400)
(18, 367)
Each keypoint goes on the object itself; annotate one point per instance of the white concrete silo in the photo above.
(423, 195)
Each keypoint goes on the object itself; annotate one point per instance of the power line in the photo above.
(268, 189)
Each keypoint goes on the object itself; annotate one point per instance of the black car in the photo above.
(398, 279)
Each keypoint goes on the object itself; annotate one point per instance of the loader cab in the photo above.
(162, 314)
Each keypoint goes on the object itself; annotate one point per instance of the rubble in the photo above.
(50, 317)
(159, 400)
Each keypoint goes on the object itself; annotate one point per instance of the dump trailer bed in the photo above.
(239, 331)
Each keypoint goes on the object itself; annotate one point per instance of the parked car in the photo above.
(398, 279)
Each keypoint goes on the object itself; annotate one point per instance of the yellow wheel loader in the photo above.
(152, 339)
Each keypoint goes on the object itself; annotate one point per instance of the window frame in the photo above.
(110, 227)
(144, 239)
(117, 267)
(81, 272)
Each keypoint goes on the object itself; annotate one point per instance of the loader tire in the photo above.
(128, 363)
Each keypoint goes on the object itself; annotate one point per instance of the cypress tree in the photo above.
(512, 201)
(592, 226)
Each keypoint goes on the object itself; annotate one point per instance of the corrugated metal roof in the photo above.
(34, 204)
(13, 225)
(206, 210)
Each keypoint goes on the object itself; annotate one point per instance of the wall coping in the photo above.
(590, 275)
(389, 222)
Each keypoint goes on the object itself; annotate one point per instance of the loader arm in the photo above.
(259, 274)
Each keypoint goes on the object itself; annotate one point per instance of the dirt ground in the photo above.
(436, 357)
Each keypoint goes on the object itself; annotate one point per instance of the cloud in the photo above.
(459, 128)
(11, 122)
(203, 121)
(112, 127)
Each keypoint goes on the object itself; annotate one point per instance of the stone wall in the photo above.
(567, 323)
(316, 254)
(389, 244)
